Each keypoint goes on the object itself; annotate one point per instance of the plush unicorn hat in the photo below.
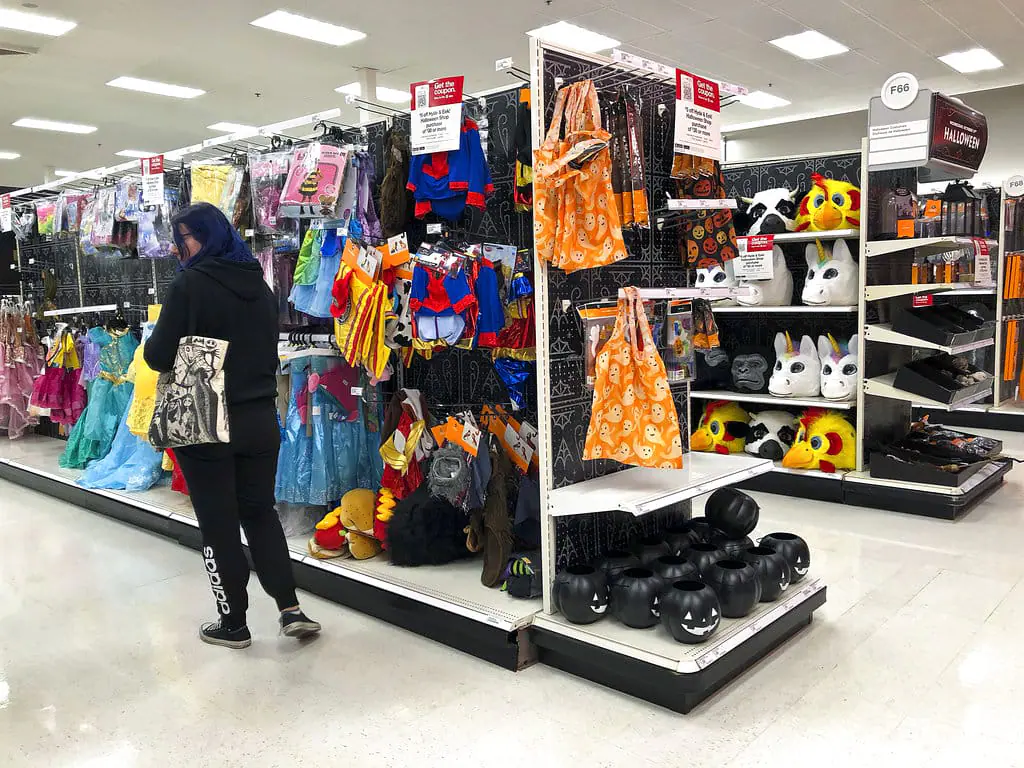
(838, 367)
(777, 292)
(797, 372)
(832, 276)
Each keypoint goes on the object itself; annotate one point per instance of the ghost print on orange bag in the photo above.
(633, 418)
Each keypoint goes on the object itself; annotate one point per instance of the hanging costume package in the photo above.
(708, 237)
(128, 199)
(633, 419)
(395, 201)
(446, 182)
(268, 172)
(628, 160)
(103, 220)
(45, 211)
(576, 224)
(209, 180)
(314, 181)
(522, 147)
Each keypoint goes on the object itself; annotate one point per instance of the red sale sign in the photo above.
(436, 115)
(151, 165)
(698, 116)
(6, 218)
(754, 261)
(153, 180)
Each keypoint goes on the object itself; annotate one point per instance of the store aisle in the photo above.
(914, 658)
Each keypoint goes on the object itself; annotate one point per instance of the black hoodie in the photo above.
(223, 300)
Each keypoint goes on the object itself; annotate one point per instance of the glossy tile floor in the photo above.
(915, 660)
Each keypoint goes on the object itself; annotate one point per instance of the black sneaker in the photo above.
(298, 624)
(215, 633)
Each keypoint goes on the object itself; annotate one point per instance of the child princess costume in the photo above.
(109, 396)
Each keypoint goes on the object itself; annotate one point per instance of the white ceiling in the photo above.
(209, 44)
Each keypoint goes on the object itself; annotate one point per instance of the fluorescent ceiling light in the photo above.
(974, 60)
(233, 128)
(308, 29)
(52, 125)
(9, 155)
(64, 174)
(762, 100)
(152, 86)
(390, 95)
(569, 35)
(34, 22)
(140, 153)
(810, 45)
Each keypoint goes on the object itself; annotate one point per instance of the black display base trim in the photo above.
(658, 685)
(802, 486)
(492, 644)
(923, 503)
(1011, 422)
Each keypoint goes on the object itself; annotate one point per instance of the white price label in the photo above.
(754, 261)
(31, 261)
(982, 262)
(433, 229)
(357, 391)
(153, 180)
(151, 291)
(503, 64)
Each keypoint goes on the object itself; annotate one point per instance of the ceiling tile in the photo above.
(616, 24)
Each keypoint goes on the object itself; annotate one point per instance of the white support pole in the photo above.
(368, 92)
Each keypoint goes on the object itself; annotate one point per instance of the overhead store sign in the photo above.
(436, 115)
(913, 127)
(5, 213)
(153, 180)
(959, 134)
(698, 116)
(1014, 186)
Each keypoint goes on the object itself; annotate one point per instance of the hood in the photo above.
(244, 279)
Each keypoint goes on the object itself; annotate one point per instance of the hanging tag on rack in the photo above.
(434, 229)
(153, 180)
(698, 116)
(397, 251)
(465, 435)
(754, 261)
(436, 115)
(368, 263)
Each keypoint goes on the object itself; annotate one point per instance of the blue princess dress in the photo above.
(340, 454)
(109, 397)
(132, 463)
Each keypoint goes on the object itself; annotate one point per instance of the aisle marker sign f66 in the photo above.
(5, 213)
(436, 115)
(698, 116)
(153, 180)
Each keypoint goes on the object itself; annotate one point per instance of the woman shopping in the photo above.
(220, 294)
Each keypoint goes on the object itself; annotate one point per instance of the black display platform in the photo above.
(657, 684)
(508, 649)
(966, 418)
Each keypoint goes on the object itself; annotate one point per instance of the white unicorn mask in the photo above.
(838, 368)
(797, 372)
(718, 277)
(777, 292)
(832, 278)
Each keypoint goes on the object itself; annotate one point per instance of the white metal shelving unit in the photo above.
(767, 399)
(884, 334)
(786, 310)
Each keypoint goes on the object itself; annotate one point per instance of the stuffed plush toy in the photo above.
(825, 441)
(330, 539)
(722, 429)
(777, 292)
(829, 205)
(770, 434)
(385, 509)
(356, 514)
(770, 212)
(838, 368)
(832, 275)
(751, 367)
(797, 372)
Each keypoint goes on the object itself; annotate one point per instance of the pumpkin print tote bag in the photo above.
(633, 419)
(576, 223)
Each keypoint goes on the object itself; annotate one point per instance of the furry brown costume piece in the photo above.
(425, 530)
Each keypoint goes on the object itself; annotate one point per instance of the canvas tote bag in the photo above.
(190, 404)
(633, 419)
(576, 223)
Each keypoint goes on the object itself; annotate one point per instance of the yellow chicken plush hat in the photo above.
(722, 429)
(825, 441)
(829, 205)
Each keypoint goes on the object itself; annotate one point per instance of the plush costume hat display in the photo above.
(829, 205)
(722, 429)
(769, 212)
(825, 441)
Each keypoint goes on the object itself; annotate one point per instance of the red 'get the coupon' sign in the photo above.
(698, 116)
(5, 214)
(436, 115)
(153, 180)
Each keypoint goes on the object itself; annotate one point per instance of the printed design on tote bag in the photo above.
(190, 407)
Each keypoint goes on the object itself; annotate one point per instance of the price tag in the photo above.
(503, 64)
(151, 291)
(153, 180)
(356, 391)
(398, 250)
(529, 433)
(932, 209)
(755, 261)
(433, 229)
(5, 214)
(982, 262)
(368, 262)
(698, 116)
(436, 115)
(518, 449)
(31, 261)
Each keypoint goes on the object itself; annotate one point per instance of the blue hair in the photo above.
(211, 228)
